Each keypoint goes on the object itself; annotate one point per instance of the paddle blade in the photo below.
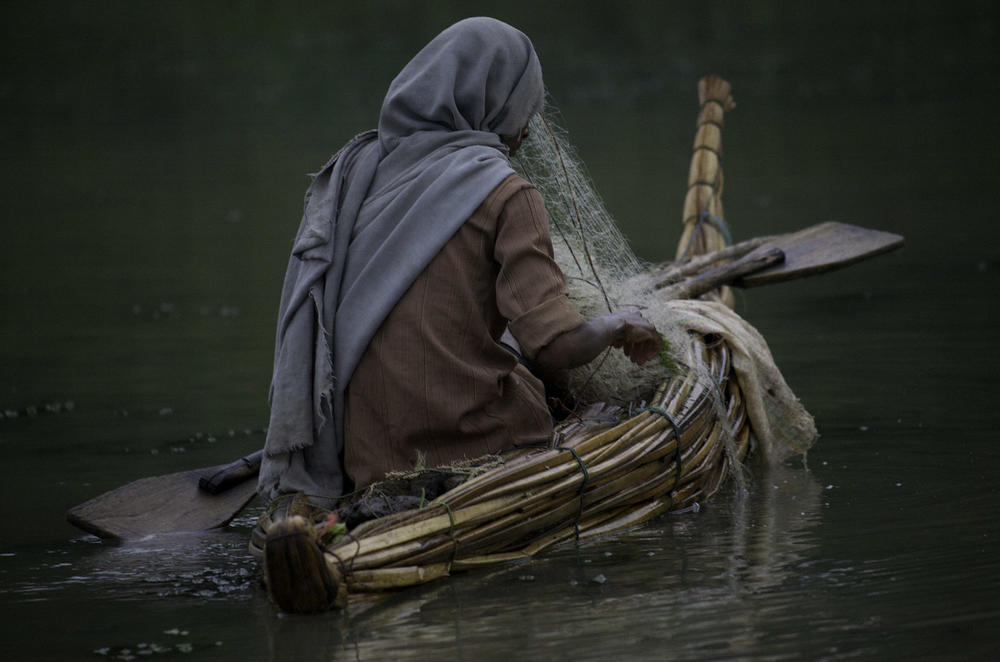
(161, 504)
(821, 248)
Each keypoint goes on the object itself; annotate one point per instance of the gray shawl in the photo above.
(375, 216)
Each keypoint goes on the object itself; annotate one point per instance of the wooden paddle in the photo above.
(814, 250)
(172, 503)
(819, 249)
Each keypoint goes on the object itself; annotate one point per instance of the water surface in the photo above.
(156, 158)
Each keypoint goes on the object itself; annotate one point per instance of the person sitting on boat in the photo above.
(418, 247)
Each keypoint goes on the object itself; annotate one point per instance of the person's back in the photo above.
(435, 384)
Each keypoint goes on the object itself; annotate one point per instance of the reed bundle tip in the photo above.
(714, 88)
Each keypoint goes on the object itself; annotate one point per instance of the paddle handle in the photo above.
(232, 474)
(724, 274)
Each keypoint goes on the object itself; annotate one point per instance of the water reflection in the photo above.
(660, 587)
(156, 160)
(719, 580)
(209, 566)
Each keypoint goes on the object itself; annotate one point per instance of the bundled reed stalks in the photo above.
(705, 228)
(592, 480)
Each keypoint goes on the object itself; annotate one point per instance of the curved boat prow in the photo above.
(705, 228)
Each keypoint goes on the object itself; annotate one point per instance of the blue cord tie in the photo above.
(719, 224)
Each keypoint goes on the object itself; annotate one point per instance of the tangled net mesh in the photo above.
(602, 272)
(603, 275)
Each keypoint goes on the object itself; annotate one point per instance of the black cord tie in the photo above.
(716, 102)
(451, 531)
(660, 411)
(583, 486)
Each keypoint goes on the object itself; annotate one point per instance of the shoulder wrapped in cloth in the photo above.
(375, 216)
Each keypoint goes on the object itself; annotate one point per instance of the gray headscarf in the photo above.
(375, 216)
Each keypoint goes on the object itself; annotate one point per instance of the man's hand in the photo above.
(636, 337)
(627, 330)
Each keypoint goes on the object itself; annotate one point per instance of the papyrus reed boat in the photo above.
(605, 469)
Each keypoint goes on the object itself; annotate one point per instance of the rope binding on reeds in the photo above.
(667, 456)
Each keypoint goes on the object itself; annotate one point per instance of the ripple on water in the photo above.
(208, 566)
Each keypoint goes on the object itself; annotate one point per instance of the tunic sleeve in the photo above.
(531, 291)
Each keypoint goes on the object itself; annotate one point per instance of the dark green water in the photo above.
(154, 161)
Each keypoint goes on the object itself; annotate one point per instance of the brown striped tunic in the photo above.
(434, 378)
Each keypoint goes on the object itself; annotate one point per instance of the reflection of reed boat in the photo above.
(603, 472)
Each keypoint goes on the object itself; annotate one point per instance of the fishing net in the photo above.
(604, 275)
(601, 270)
